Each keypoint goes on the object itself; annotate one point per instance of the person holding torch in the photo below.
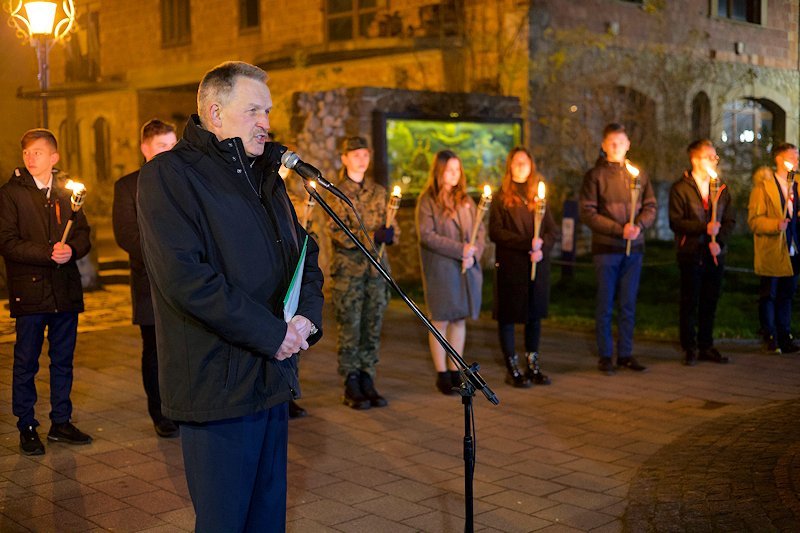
(605, 206)
(772, 216)
(701, 216)
(519, 296)
(44, 286)
(447, 218)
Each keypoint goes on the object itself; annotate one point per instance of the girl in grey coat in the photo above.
(445, 216)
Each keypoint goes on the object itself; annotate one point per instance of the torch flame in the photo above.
(542, 191)
(788, 165)
(712, 173)
(397, 192)
(313, 184)
(74, 186)
(631, 169)
(487, 191)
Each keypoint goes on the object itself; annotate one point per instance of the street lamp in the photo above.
(39, 25)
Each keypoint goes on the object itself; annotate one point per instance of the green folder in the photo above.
(292, 298)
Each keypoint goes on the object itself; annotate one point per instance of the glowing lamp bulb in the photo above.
(542, 191)
(41, 16)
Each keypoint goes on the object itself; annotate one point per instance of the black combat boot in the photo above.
(444, 383)
(368, 388)
(515, 377)
(533, 372)
(353, 395)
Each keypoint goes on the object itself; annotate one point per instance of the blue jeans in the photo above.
(62, 332)
(236, 472)
(616, 274)
(775, 306)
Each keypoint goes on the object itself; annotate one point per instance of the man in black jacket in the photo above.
(700, 245)
(44, 286)
(156, 137)
(221, 242)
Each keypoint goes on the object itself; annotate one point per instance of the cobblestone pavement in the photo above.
(713, 447)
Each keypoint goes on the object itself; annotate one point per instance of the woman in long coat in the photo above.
(445, 216)
(517, 299)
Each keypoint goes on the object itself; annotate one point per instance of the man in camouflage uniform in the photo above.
(360, 295)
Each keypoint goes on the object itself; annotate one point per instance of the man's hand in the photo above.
(303, 325)
(783, 224)
(467, 263)
(536, 244)
(714, 248)
(536, 256)
(292, 343)
(630, 232)
(468, 251)
(61, 253)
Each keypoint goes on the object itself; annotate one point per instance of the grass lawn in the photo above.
(572, 299)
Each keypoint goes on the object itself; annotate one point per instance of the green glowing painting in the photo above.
(482, 147)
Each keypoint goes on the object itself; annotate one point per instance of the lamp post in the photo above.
(38, 25)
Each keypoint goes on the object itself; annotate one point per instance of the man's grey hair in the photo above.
(217, 84)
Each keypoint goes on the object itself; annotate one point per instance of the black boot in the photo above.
(368, 388)
(353, 395)
(444, 384)
(515, 377)
(533, 372)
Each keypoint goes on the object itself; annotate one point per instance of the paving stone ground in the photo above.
(709, 448)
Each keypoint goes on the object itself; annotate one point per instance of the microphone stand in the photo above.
(470, 378)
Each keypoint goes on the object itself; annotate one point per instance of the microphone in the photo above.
(306, 171)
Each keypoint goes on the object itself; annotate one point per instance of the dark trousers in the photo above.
(701, 285)
(236, 472)
(617, 275)
(775, 297)
(150, 372)
(62, 332)
(533, 332)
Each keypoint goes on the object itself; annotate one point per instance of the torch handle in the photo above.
(537, 229)
(307, 215)
(714, 216)
(390, 212)
(66, 231)
(634, 199)
(476, 226)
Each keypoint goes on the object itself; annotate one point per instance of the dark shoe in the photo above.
(631, 364)
(29, 442)
(713, 355)
(444, 383)
(295, 411)
(788, 345)
(166, 428)
(772, 346)
(68, 433)
(368, 388)
(690, 358)
(533, 372)
(455, 379)
(515, 377)
(353, 395)
(606, 366)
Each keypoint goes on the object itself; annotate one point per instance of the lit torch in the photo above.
(391, 210)
(78, 195)
(310, 203)
(538, 215)
(483, 206)
(790, 187)
(636, 186)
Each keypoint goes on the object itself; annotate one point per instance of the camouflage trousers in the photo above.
(359, 303)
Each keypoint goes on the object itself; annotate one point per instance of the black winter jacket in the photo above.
(30, 224)
(605, 201)
(220, 261)
(126, 233)
(688, 219)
